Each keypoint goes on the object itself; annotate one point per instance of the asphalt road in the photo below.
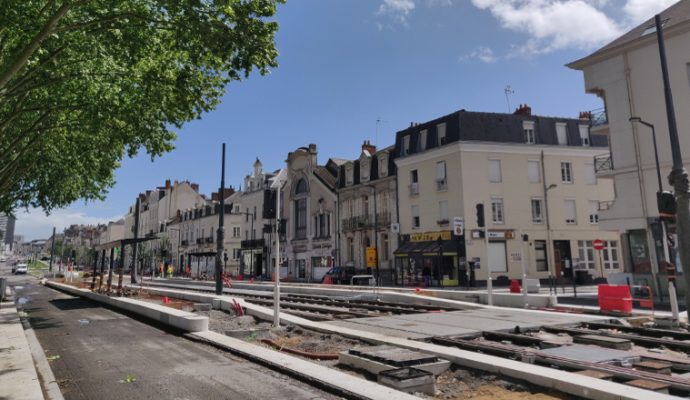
(96, 353)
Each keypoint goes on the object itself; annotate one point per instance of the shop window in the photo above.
(610, 254)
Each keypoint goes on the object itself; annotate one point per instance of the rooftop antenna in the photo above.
(378, 122)
(508, 91)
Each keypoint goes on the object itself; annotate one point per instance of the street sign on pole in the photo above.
(458, 226)
(598, 244)
(371, 257)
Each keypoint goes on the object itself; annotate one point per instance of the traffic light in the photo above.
(480, 215)
(666, 203)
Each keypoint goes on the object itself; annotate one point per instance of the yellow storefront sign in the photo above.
(430, 236)
(371, 257)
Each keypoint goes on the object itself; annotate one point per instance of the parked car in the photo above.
(21, 269)
(340, 275)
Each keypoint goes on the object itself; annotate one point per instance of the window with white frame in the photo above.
(569, 211)
(590, 175)
(528, 130)
(593, 212)
(610, 254)
(406, 145)
(441, 179)
(566, 172)
(441, 133)
(497, 214)
(414, 182)
(540, 257)
(495, 171)
(584, 135)
(383, 166)
(561, 133)
(415, 217)
(236, 231)
(421, 144)
(533, 172)
(443, 212)
(537, 211)
(585, 252)
(349, 175)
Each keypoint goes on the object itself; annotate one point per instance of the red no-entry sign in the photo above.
(598, 244)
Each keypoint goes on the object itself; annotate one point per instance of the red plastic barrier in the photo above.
(615, 298)
(515, 286)
(327, 280)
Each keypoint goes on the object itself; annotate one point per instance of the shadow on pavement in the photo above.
(73, 304)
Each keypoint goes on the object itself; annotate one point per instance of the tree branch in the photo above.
(35, 43)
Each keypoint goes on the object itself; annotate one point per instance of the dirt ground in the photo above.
(463, 384)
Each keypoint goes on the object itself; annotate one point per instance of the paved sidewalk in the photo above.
(18, 378)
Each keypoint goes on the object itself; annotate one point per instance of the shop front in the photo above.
(430, 259)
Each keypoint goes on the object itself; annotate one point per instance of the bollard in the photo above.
(490, 294)
(674, 301)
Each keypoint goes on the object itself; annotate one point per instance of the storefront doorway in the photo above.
(563, 260)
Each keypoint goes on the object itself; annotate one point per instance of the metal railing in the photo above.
(598, 117)
(605, 205)
(414, 189)
(603, 163)
(366, 221)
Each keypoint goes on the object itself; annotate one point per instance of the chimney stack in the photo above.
(368, 147)
(524, 109)
(167, 183)
(586, 115)
(195, 187)
(215, 197)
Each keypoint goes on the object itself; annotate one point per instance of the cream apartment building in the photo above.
(626, 75)
(517, 165)
(198, 227)
(367, 199)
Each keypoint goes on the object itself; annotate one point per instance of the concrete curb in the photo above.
(344, 384)
(182, 320)
(566, 382)
(19, 379)
(45, 373)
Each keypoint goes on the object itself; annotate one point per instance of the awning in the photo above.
(428, 248)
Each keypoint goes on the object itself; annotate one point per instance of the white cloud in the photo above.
(34, 224)
(396, 9)
(638, 11)
(482, 53)
(553, 24)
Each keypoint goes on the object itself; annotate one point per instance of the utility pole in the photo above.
(52, 250)
(221, 228)
(678, 178)
(136, 244)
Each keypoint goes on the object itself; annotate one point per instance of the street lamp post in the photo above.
(678, 178)
(666, 255)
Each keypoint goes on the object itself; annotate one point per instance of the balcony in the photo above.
(252, 244)
(209, 240)
(366, 221)
(199, 240)
(184, 242)
(414, 189)
(603, 165)
(441, 184)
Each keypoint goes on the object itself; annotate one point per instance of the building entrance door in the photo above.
(562, 258)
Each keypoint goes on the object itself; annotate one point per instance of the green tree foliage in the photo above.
(85, 82)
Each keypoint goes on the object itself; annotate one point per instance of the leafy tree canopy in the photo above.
(85, 82)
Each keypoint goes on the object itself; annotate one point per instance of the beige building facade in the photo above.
(535, 177)
(626, 76)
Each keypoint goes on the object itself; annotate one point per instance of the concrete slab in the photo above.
(456, 323)
(18, 377)
(389, 357)
(604, 341)
(351, 386)
(595, 354)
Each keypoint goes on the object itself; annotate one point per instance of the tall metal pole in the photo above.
(489, 281)
(52, 250)
(678, 178)
(221, 228)
(549, 245)
(276, 271)
(136, 244)
(376, 240)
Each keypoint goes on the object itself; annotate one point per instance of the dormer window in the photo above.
(584, 135)
(364, 170)
(528, 132)
(441, 133)
(421, 144)
(349, 178)
(383, 165)
(405, 145)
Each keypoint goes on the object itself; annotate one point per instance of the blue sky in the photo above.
(344, 64)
